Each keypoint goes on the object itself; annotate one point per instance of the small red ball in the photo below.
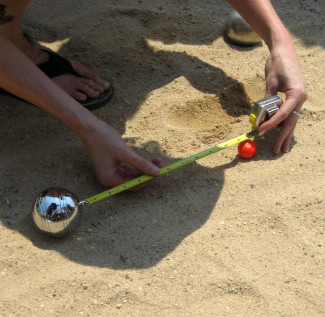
(247, 149)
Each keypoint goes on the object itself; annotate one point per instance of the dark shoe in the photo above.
(58, 65)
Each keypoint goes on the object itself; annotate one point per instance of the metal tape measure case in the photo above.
(264, 109)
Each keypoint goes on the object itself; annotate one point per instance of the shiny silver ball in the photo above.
(239, 32)
(56, 212)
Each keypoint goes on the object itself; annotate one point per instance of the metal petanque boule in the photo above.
(239, 32)
(56, 211)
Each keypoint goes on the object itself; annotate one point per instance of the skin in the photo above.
(282, 71)
(115, 162)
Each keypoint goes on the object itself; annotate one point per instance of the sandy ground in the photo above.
(221, 237)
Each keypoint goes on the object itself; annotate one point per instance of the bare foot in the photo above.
(80, 88)
(88, 85)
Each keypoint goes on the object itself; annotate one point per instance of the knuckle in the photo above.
(126, 155)
(283, 114)
(301, 94)
(304, 95)
(141, 164)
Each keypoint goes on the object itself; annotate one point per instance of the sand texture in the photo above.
(223, 236)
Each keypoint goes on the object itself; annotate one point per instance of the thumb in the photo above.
(271, 87)
(143, 165)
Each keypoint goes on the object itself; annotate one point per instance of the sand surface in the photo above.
(221, 237)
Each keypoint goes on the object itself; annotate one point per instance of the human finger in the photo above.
(283, 113)
(159, 164)
(127, 172)
(143, 165)
(283, 139)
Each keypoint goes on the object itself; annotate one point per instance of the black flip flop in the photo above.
(58, 65)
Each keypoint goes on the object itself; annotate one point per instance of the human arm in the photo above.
(113, 160)
(282, 70)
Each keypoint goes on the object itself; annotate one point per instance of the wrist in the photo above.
(81, 121)
(278, 37)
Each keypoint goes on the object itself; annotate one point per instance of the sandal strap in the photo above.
(56, 65)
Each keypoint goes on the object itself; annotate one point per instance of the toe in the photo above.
(88, 90)
(79, 96)
(88, 74)
(89, 85)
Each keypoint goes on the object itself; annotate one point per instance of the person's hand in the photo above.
(282, 73)
(115, 163)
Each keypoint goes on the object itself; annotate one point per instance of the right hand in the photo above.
(283, 75)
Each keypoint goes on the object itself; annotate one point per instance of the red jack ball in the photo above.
(247, 149)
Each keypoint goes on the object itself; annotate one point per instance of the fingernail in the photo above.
(155, 170)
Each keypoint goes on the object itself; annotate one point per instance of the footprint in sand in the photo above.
(204, 117)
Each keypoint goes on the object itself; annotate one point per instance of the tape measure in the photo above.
(262, 111)
(168, 168)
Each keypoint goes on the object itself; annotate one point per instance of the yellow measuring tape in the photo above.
(168, 168)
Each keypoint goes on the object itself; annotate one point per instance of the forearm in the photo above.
(114, 162)
(262, 17)
(21, 77)
(282, 71)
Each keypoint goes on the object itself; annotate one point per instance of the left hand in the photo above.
(115, 163)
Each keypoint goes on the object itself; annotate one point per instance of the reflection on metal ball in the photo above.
(56, 211)
(239, 32)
